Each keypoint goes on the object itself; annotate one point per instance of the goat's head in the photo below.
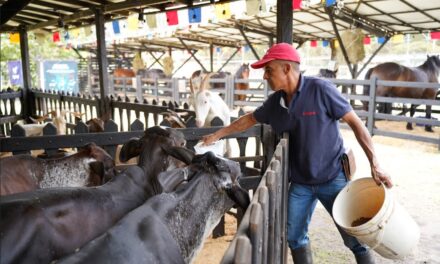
(150, 149)
(103, 165)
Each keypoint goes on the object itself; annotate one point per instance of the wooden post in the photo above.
(25, 65)
(101, 55)
(284, 21)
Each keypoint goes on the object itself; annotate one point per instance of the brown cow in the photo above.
(91, 166)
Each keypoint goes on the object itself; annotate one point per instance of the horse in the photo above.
(390, 71)
(214, 75)
(326, 73)
(242, 73)
(123, 73)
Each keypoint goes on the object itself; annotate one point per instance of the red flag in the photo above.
(435, 35)
(296, 4)
(314, 43)
(172, 18)
(56, 36)
(367, 40)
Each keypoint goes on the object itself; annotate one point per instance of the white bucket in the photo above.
(369, 213)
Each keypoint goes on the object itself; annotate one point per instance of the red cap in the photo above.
(280, 51)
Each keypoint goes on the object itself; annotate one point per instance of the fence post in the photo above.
(243, 251)
(111, 85)
(175, 86)
(139, 93)
(18, 131)
(50, 129)
(256, 232)
(372, 105)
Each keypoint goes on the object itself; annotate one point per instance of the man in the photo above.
(309, 109)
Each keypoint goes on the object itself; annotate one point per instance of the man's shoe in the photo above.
(302, 255)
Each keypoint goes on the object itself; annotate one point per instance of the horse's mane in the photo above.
(239, 72)
(431, 67)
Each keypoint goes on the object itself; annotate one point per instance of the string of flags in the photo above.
(154, 24)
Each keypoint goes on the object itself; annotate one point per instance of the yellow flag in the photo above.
(252, 7)
(74, 33)
(132, 22)
(397, 38)
(14, 38)
(336, 44)
(151, 21)
(222, 11)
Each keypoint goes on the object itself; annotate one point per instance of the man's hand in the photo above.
(380, 176)
(209, 139)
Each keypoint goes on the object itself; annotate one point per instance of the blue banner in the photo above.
(60, 76)
(15, 73)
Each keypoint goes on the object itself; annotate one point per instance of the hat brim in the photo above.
(261, 63)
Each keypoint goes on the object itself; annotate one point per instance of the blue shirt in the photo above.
(312, 120)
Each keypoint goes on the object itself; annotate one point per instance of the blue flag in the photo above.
(380, 40)
(116, 26)
(329, 2)
(195, 15)
(325, 43)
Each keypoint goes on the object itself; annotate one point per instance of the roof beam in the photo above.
(106, 9)
(10, 9)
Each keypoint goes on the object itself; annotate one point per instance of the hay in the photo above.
(168, 65)
(354, 45)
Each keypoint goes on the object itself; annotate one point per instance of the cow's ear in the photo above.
(183, 154)
(130, 149)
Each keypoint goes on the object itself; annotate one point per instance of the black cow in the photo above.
(40, 226)
(171, 227)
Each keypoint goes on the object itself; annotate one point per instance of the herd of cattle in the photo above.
(82, 209)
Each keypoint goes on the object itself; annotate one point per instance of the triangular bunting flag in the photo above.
(195, 15)
(296, 4)
(367, 40)
(313, 43)
(151, 21)
(329, 2)
(115, 24)
(14, 38)
(133, 22)
(435, 35)
(172, 18)
(222, 11)
(325, 43)
(56, 36)
(252, 7)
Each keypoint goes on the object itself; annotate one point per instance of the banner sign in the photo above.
(60, 76)
(15, 73)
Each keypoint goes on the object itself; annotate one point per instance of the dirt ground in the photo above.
(415, 170)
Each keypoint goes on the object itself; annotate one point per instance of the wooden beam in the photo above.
(10, 9)
(284, 21)
(106, 9)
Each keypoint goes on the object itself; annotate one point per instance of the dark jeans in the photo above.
(302, 203)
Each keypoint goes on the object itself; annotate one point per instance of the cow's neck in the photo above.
(70, 171)
(198, 208)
